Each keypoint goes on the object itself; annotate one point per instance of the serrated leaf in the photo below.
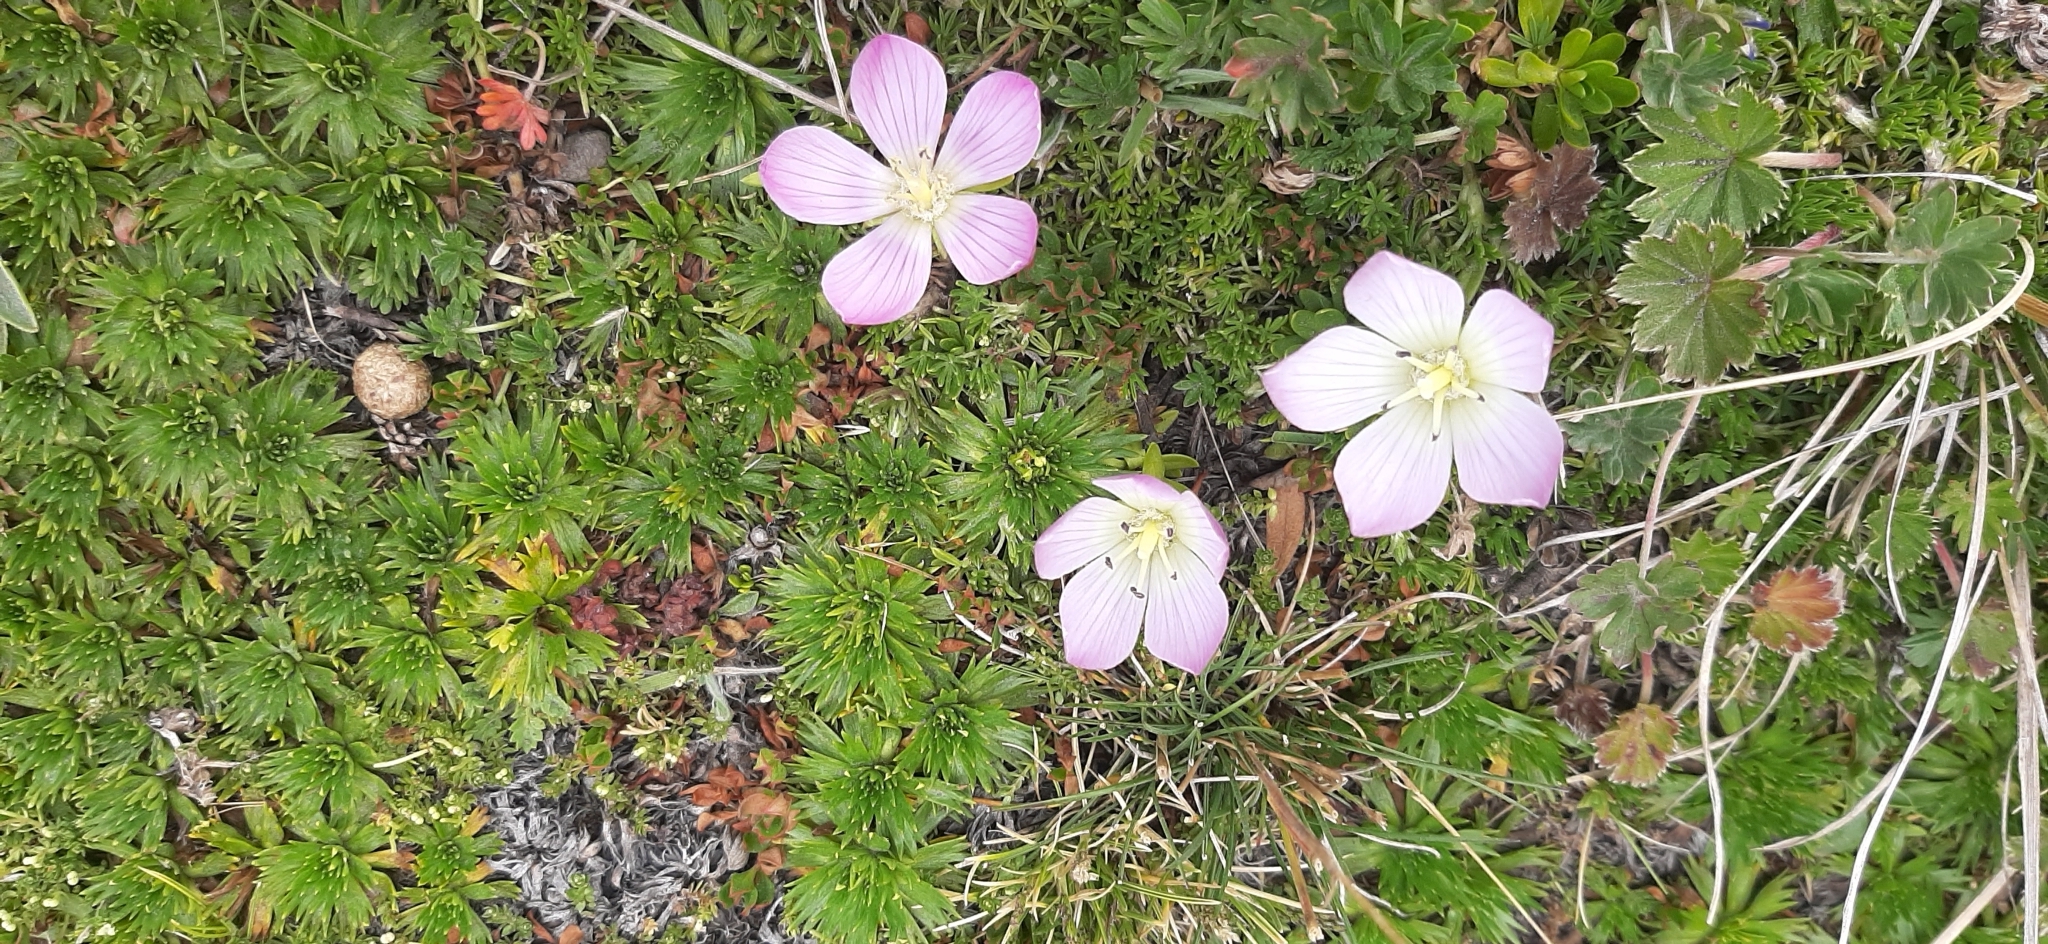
(1742, 510)
(1795, 610)
(1638, 747)
(1099, 93)
(1957, 503)
(1626, 442)
(1402, 68)
(1719, 562)
(1686, 82)
(14, 310)
(1814, 292)
(1693, 309)
(1553, 193)
(1705, 169)
(1632, 605)
(1988, 640)
(1907, 531)
(1286, 66)
(1957, 266)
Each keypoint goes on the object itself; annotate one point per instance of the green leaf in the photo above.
(1403, 69)
(1625, 442)
(1686, 82)
(1638, 747)
(1705, 169)
(1633, 605)
(1480, 117)
(1958, 501)
(14, 310)
(1742, 510)
(1720, 562)
(1815, 293)
(1957, 266)
(1100, 93)
(1908, 532)
(1285, 67)
(1702, 319)
(1988, 640)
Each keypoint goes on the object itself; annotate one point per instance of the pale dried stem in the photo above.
(1692, 411)
(706, 49)
(2019, 596)
(1960, 333)
(1958, 623)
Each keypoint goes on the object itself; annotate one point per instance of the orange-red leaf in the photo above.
(1796, 609)
(503, 108)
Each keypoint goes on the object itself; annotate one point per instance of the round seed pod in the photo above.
(389, 384)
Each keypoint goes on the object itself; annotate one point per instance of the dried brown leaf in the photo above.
(1584, 709)
(1284, 523)
(1546, 194)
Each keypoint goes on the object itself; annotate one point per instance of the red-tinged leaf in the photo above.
(917, 29)
(503, 108)
(1796, 610)
(1639, 745)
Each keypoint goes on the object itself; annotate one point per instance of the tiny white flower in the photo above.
(105, 930)
(386, 938)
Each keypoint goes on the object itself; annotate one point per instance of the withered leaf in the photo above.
(1796, 610)
(1639, 745)
(1584, 709)
(1546, 193)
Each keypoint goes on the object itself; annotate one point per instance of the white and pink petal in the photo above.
(1088, 532)
(988, 237)
(1415, 306)
(899, 94)
(1338, 378)
(1200, 535)
(819, 177)
(1393, 475)
(882, 275)
(994, 133)
(1101, 612)
(1506, 342)
(1186, 614)
(1138, 489)
(1508, 449)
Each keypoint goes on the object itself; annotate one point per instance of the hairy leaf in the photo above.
(1626, 443)
(1633, 605)
(1955, 269)
(1705, 170)
(1796, 610)
(1702, 318)
(1638, 747)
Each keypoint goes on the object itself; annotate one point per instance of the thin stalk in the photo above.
(1962, 332)
(700, 46)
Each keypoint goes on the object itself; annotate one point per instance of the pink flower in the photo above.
(899, 95)
(1153, 557)
(1443, 391)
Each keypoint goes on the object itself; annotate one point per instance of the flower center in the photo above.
(1439, 377)
(1151, 532)
(921, 190)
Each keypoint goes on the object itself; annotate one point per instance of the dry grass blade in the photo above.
(1305, 839)
(1966, 600)
(704, 48)
(1956, 335)
(2019, 595)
